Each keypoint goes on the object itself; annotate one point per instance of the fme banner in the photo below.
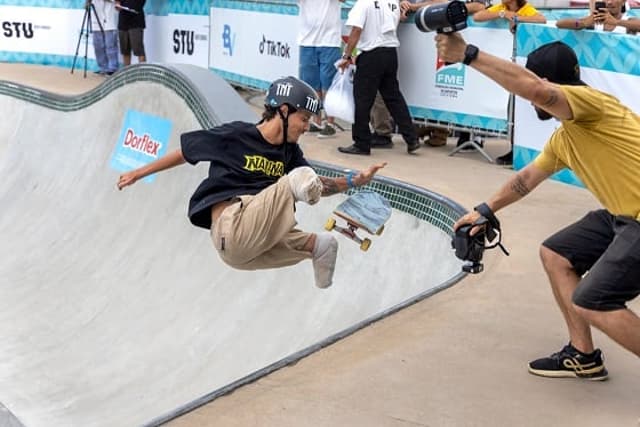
(454, 93)
(143, 139)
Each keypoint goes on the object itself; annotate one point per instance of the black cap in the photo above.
(556, 62)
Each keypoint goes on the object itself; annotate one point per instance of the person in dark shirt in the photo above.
(256, 174)
(131, 25)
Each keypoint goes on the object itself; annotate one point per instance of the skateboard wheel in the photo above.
(379, 232)
(330, 224)
(365, 244)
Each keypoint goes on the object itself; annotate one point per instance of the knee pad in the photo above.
(305, 185)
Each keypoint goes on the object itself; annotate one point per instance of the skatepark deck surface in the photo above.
(457, 358)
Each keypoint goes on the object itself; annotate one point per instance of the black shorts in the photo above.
(132, 39)
(607, 249)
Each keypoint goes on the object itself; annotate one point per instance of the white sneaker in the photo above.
(305, 185)
(324, 255)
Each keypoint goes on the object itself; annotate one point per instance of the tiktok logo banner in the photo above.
(143, 139)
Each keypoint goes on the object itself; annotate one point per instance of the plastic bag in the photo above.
(338, 101)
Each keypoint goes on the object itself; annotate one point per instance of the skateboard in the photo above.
(367, 210)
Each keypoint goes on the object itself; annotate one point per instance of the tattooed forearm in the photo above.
(552, 98)
(329, 186)
(518, 185)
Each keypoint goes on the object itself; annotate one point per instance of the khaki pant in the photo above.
(381, 118)
(258, 231)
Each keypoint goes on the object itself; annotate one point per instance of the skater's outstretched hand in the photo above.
(127, 179)
(365, 176)
(172, 159)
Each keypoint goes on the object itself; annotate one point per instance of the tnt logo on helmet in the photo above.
(284, 89)
(312, 104)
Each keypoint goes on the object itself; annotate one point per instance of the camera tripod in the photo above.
(85, 30)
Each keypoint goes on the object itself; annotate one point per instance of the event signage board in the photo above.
(143, 139)
(253, 44)
(178, 38)
(35, 31)
(453, 93)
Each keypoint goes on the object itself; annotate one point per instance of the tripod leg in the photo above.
(86, 40)
(82, 28)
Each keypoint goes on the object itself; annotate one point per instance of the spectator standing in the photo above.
(320, 40)
(131, 25)
(613, 18)
(373, 30)
(512, 11)
(104, 32)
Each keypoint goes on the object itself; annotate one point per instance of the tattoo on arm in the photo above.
(329, 186)
(552, 98)
(518, 185)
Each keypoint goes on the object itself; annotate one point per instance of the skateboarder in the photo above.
(256, 174)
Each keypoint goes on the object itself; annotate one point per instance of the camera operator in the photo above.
(131, 25)
(104, 31)
(598, 140)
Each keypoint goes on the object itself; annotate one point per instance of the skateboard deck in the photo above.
(367, 210)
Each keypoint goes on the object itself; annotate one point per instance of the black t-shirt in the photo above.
(128, 20)
(242, 163)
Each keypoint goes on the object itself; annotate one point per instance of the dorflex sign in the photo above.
(143, 139)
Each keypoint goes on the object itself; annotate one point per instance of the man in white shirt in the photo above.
(373, 30)
(319, 39)
(104, 31)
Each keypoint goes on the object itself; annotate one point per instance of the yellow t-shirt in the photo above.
(601, 144)
(526, 10)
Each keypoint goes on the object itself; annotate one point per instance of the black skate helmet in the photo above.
(294, 92)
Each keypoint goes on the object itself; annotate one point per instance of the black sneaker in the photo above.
(570, 363)
(328, 131)
(413, 146)
(354, 149)
(505, 160)
(381, 141)
(314, 128)
(462, 138)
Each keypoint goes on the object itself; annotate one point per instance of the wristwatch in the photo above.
(470, 54)
(501, 14)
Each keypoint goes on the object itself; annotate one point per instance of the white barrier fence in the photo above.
(251, 43)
